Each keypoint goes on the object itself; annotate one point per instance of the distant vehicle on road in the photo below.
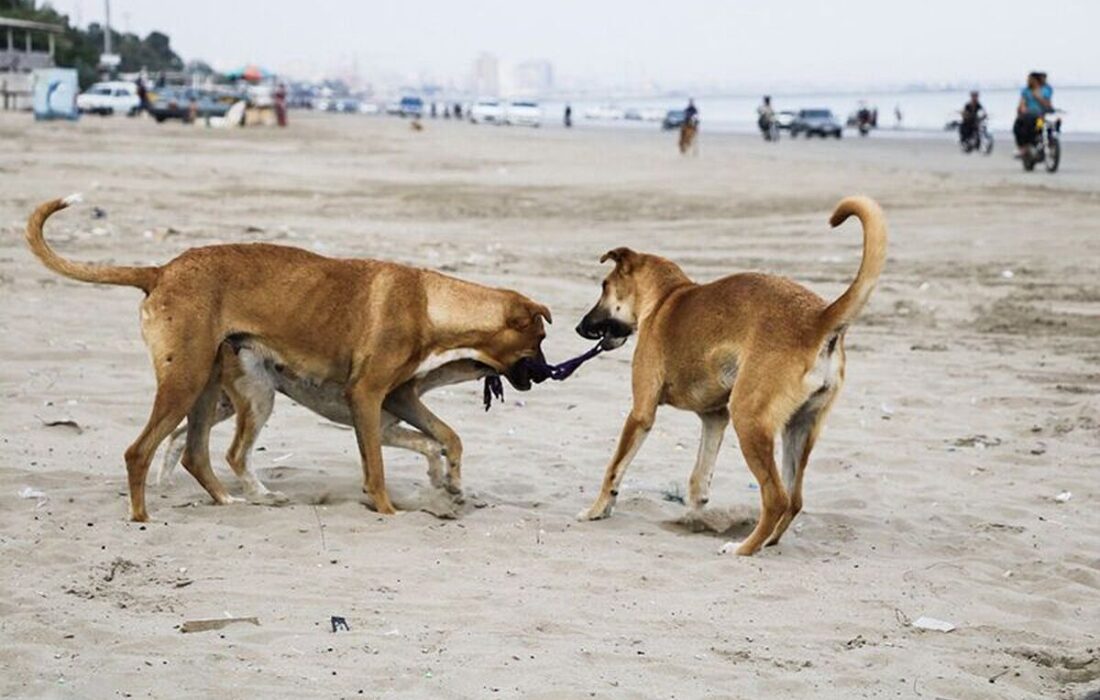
(815, 122)
(113, 97)
(411, 106)
(175, 103)
(523, 113)
(487, 110)
(784, 119)
(605, 112)
(674, 119)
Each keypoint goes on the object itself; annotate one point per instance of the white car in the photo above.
(114, 97)
(490, 111)
(523, 113)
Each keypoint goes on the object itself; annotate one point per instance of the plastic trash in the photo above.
(931, 623)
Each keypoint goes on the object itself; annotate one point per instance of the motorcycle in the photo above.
(979, 139)
(1047, 147)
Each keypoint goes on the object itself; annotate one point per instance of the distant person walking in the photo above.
(143, 95)
(689, 129)
(280, 104)
(897, 116)
(1036, 99)
(458, 111)
(568, 116)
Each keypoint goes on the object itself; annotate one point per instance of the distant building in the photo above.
(534, 77)
(487, 75)
(24, 47)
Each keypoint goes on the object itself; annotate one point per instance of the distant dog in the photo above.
(365, 325)
(249, 380)
(688, 131)
(756, 348)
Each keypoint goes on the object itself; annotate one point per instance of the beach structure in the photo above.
(25, 46)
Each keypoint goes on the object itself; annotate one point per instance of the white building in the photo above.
(486, 75)
(535, 77)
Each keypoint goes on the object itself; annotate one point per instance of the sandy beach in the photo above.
(972, 402)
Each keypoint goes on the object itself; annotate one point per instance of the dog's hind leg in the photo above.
(178, 440)
(799, 435)
(396, 436)
(404, 403)
(756, 406)
(714, 426)
(179, 384)
(253, 398)
(196, 456)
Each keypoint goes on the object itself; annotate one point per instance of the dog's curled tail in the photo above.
(141, 277)
(844, 310)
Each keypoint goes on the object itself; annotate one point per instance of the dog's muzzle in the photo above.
(527, 372)
(598, 326)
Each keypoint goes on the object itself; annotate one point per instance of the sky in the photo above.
(671, 44)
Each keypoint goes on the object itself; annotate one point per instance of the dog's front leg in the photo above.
(366, 410)
(635, 430)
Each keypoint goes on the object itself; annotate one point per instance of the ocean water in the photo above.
(922, 111)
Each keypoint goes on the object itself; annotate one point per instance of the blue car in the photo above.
(411, 107)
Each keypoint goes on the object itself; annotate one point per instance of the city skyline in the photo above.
(616, 45)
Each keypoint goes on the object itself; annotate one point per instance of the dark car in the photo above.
(819, 122)
(674, 119)
(175, 103)
(411, 107)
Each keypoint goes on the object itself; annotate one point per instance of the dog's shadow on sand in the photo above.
(733, 523)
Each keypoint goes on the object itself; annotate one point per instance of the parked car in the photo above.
(674, 119)
(523, 113)
(820, 122)
(411, 106)
(175, 103)
(114, 97)
(486, 110)
(784, 119)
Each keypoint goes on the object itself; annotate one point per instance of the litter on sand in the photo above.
(931, 623)
(28, 492)
(215, 624)
(1063, 497)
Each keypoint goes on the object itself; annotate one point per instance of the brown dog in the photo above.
(249, 381)
(688, 131)
(367, 325)
(759, 349)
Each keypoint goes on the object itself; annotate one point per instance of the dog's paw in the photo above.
(596, 512)
(268, 498)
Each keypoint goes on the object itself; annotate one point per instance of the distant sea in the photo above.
(922, 111)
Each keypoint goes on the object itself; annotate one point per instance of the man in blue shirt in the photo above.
(1035, 101)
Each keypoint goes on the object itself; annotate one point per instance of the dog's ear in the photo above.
(540, 310)
(624, 258)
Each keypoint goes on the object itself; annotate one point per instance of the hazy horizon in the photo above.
(617, 43)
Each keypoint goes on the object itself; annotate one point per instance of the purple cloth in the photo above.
(539, 372)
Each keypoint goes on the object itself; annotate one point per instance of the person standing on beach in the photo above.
(568, 116)
(280, 104)
(1035, 101)
(143, 95)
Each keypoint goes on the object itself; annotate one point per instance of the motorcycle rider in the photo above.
(1035, 101)
(691, 113)
(972, 114)
(765, 115)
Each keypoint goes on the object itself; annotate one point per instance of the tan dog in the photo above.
(688, 131)
(249, 381)
(759, 349)
(366, 325)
